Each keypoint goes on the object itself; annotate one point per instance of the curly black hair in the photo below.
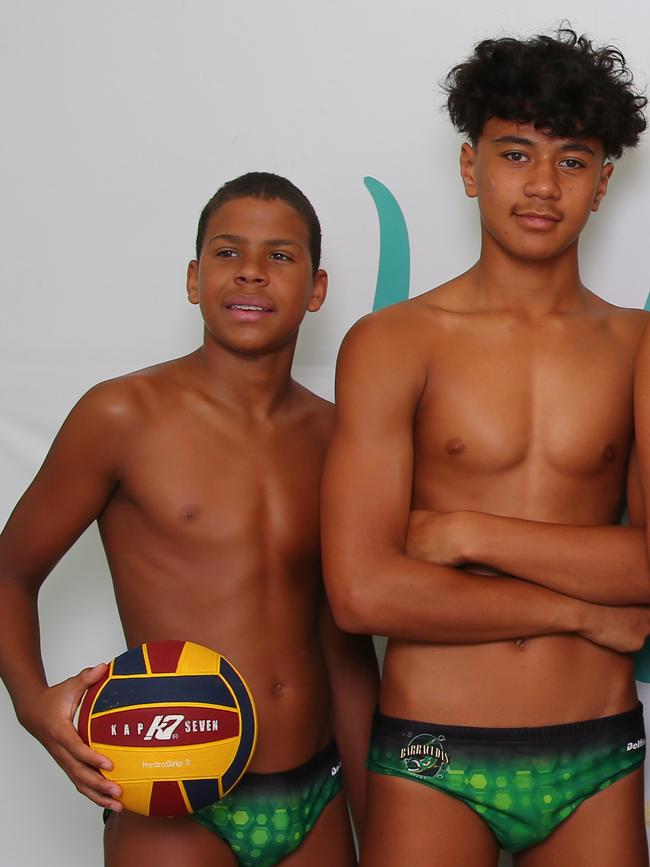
(562, 83)
(265, 185)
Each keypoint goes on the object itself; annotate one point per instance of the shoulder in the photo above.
(397, 327)
(398, 345)
(125, 400)
(110, 420)
(314, 410)
(385, 358)
(628, 324)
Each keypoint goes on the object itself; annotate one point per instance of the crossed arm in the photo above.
(374, 585)
(603, 564)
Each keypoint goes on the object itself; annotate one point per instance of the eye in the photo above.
(225, 253)
(279, 256)
(572, 163)
(516, 156)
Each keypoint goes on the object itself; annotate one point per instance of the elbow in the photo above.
(351, 606)
(350, 616)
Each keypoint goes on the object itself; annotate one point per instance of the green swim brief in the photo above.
(522, 781)
(267, 816)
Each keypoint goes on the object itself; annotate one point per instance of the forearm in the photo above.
(48, 712)
(603, 564)
(355, 692)
(21, 666)
(401, 597)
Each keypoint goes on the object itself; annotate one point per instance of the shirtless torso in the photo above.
(526, 419)
(203, 474)
(496, 414)
(211, 493)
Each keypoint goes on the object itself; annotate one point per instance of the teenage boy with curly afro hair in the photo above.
(498, 408)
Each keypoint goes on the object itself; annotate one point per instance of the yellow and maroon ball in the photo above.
(178, 722)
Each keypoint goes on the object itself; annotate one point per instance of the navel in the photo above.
(609, 454)
(455, 446)
(521, 643)
(278, 687)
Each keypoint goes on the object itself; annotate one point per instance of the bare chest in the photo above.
(224, 489)
(553, 402)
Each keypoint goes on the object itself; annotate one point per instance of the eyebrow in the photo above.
(239, 239)
(282, 242)
(566, 146)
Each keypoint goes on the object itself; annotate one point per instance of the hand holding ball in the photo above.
(178, 722)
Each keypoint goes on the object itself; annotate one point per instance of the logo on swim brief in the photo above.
(635, 745)
(425, 755)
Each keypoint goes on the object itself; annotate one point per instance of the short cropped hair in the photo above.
(265, 185)
(562, 83)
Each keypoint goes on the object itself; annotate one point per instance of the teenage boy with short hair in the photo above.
(203, 474)
(498, 406)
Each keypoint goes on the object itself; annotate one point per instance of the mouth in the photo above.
(248, 309)
(536, 220)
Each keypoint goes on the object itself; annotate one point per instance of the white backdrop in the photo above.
(119, 121)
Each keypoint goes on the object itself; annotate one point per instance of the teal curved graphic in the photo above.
(393, 274)
(642, 659)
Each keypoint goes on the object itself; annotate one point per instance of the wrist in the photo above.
(578, 616)
(474, 538)
(27, 706)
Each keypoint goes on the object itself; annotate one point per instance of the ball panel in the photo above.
(162, 656)
(182, 724)
(248, 725)
(196, 659)
(168, 799)
(200, 793)
(137, 796)
(168, 763)
(164, 689)
(130, 662)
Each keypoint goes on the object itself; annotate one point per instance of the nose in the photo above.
(542, 181)
(251, 270)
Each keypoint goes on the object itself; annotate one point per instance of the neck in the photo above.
(256, 385)
(531, 287)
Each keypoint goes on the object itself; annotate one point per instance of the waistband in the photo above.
(326, 759)
(628, 721)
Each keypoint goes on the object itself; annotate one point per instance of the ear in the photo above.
(467, 169)
(319, 291)
(192, 282)
(601, 189)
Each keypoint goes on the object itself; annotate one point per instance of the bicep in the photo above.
(636, 507)
(367, 487)
(369, 468)
(641, 457)
(68, 492)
